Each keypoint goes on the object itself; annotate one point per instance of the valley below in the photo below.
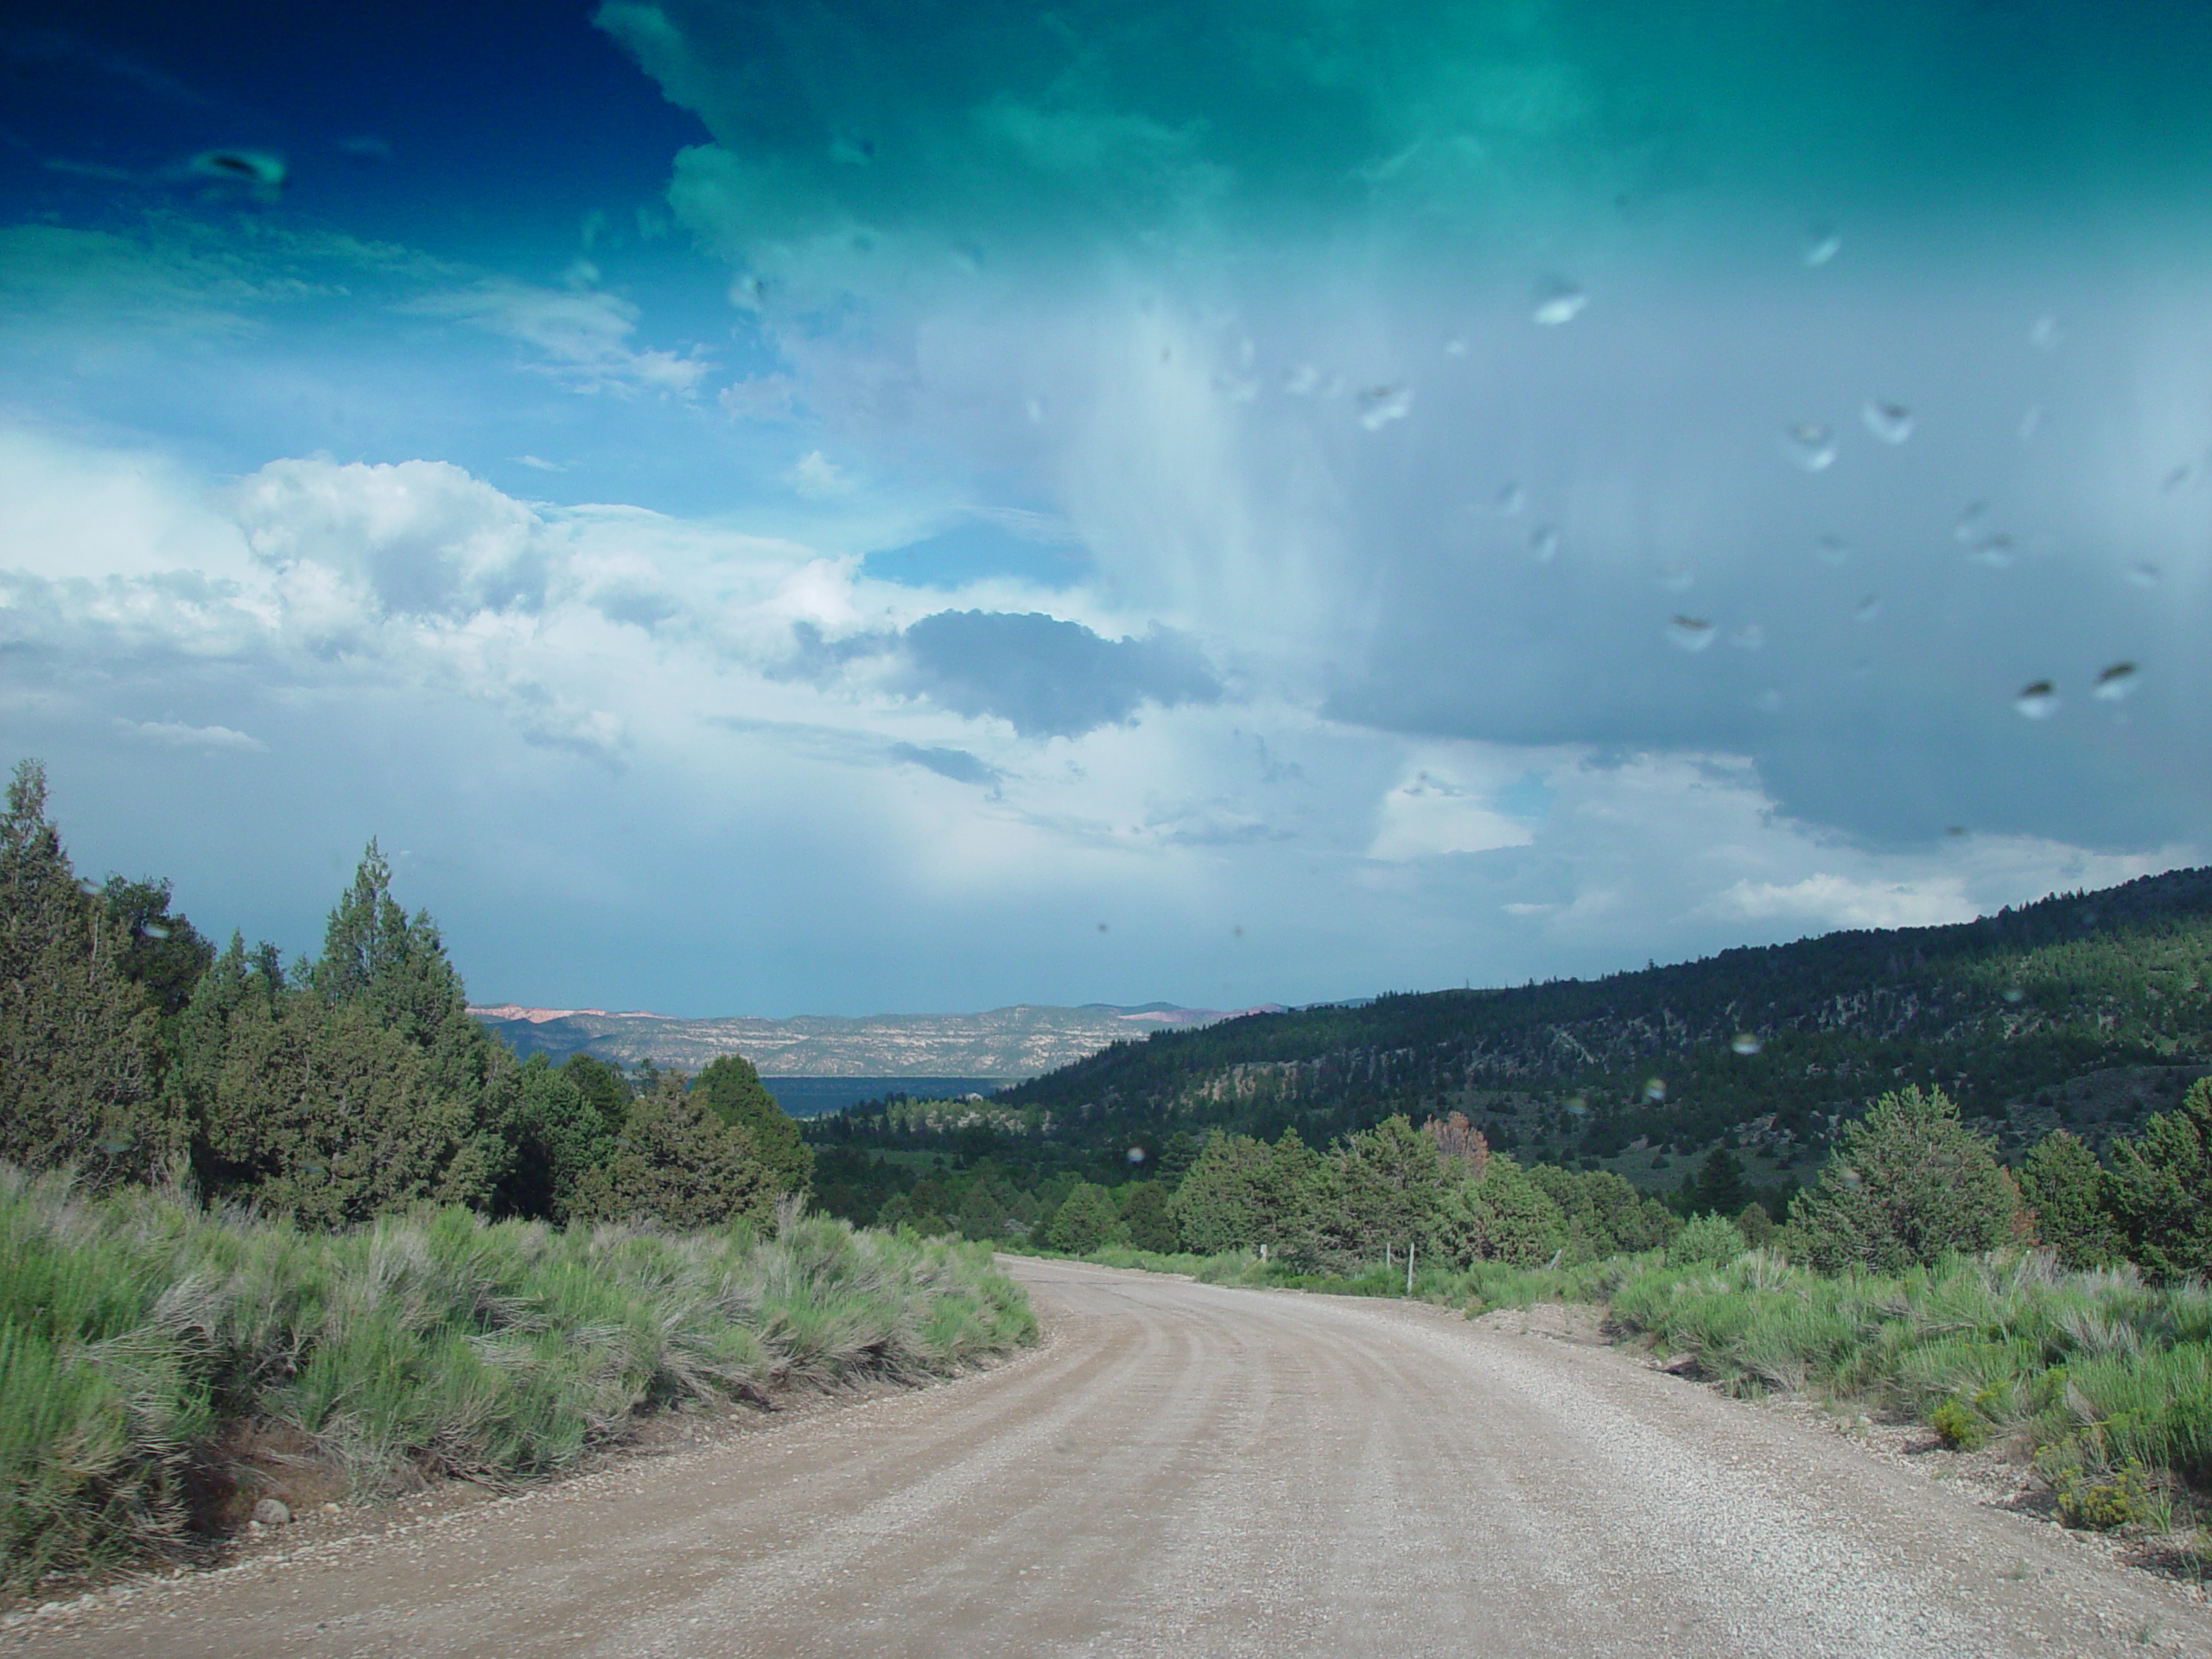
(1192, 1470)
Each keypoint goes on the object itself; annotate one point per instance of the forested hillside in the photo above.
(2086, 1011)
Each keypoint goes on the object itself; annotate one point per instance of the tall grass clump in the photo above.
(137, 1331)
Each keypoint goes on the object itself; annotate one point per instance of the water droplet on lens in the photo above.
(1811, 445)
(1768, 703)
(1035, 409)
(1577, 1105)
(1690, 633)
(1301, 380)
(2180, 477)
(1955, 829)
(2031, 422)
(2144, 575)
(1511, 498)
(1380, 405)
(1848, 1177)
(1994, 549)
(1557, 303)
(1745, 1043)
(2116, 681)
(1891, 422)
(1822, 244)
(1677, 578)
(1868, 608)
(1750, 637)
(1543, 543)
(1969, 526)
(2014, 994)
(1832, 549)
(2038, 700)
(1102, 927)
(2044, 333)
(1655, 1089)
(1455, 348)
(154, 931)
(1136, 1154)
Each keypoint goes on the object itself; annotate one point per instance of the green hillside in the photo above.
(2085, 1009)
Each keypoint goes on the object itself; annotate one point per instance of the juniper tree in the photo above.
(1907, 1184)
(76, 1036)
(732, 1090)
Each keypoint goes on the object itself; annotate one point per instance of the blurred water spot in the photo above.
(1994, 549)
(1543, 543)
(1891, 422)
(2143, 575)
(365, 148)
(2181, 478)
(1380, 405)
(1035, 409)
(2014, 994)
(1655, 1089)
(1768, 703)
(1810, 444)
(2038, 700)
(1677, 578)
(1102, 927)
(1971, 522)
(2031, 422)
(1690, 633)
(1455, 348)
(1136, 1154)
(1557, 303)
(2044, 333)
(1750, 637)
(1301, 380)
(1511, 498)
(1577, 1105)
(1744, 1043)
(2116, 681)
(1832, 549)
(156, 930)
(1822, 244)
(1867, 609)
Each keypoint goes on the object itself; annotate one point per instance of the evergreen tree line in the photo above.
(1909, 1185)
(337, 1088)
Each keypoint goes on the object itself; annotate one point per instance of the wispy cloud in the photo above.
(580, 334)
(176, 734)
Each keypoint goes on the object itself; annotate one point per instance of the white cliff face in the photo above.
(1009, 1042)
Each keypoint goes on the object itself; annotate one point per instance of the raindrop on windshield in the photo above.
(1511, 498)
(1867, 609)
(1832, 549)
(1811, 445)
(2116, 681)
(1750, 637)
(1745, 1043)
(2144, 575)
(1655, 1089)
(1380, 405)
(2038, 700)
(1136, 1154)
(1543, 543)
(1559, 302)
(1891, 422)
(1822, 244)
(2044, 333)
(1690, 633)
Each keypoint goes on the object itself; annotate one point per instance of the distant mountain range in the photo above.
(1003, 1046)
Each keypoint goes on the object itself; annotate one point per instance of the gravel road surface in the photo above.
(1191, 1470)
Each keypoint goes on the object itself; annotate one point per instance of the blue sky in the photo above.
(770, 509)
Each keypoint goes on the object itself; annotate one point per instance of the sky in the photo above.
(845, 508)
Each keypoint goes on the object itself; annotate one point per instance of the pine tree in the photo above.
(676, 1163)
(1085, 1220)
(76, 1036)
(2160, 1189)
(732, 1090)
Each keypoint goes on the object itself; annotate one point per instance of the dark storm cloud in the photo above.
(1046, 677)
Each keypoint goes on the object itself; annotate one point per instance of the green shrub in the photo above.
(1907, 1185)
(1958, 1428)
(1707, 1239)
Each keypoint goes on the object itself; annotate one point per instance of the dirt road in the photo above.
(1196, 1471)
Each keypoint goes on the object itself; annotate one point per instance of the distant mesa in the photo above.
(539, 1016)
(875, 1053)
